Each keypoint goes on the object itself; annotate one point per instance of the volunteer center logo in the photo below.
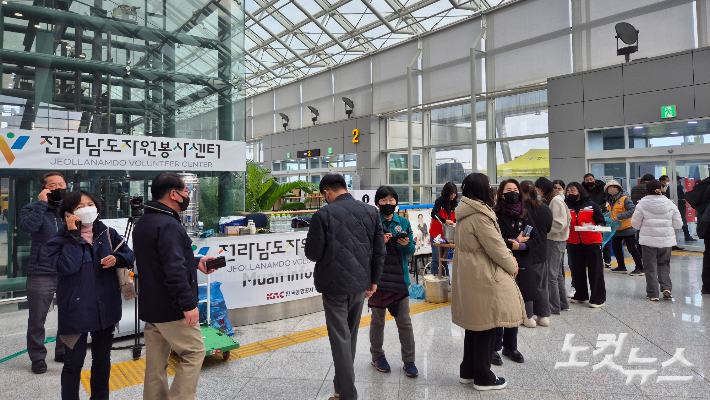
(6, 150)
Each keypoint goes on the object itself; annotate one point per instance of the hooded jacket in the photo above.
(657, 218)
(484, 294)
(42, 221)
(347, 243)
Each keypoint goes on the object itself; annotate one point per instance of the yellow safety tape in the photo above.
(131, 373)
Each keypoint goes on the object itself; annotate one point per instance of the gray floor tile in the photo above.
(433, 392)
(295, 366)
(279, 389)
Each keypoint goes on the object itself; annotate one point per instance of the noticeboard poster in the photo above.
(420, 221)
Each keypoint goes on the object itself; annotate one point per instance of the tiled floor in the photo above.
(305, 371)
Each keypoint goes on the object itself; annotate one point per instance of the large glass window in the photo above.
(523, 159)
(167, 69)
(521, 114)
(453, 124)
(607, 139)
(397, 137)
(453, 164)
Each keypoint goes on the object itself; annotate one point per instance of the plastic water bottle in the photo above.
(280, 222)
(287, 223)
(276, 223)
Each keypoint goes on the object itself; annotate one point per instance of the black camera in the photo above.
(136, 206)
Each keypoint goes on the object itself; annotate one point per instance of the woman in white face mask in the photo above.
(86, 255)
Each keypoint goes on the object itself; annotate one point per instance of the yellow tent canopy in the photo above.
(533, 164)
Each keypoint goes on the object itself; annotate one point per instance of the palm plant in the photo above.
(263, 191)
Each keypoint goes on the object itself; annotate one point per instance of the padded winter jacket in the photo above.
(347, 243)
(397, 225)
(42, 221)
(657, 218)
(559, 230)
(585, 213)
(88, 295)
(621, 207)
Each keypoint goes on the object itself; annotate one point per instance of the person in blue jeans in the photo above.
(442, 214)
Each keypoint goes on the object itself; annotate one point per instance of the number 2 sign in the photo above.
(356, 135)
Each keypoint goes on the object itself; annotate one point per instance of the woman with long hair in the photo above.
(444, 213)
(542, 216)
(522, 238)
(585, 248)
(86, 254)
(559, 187)
(556, 245)
(484, 295)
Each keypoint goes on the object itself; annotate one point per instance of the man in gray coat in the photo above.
(42, 221)
(346, 241)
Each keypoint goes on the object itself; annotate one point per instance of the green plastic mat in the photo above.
(217, 342)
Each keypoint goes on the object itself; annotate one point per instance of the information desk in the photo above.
(267, 276)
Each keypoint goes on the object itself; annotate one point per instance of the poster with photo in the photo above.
(420, 221)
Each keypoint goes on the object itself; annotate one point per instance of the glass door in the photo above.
(688, 173)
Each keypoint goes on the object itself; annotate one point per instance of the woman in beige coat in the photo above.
(484, 294)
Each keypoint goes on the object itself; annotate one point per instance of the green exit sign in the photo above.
(288, 155)
(330, 150)
(668, 112)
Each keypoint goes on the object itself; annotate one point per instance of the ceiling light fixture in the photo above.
(692, 122)
(638, 127)
(674, 133)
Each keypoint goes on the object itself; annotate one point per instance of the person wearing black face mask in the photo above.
(514, 221)
(444, 213)
(585, 247)
(168, 290)
(393, 289)
(595, 190)
(42, 221)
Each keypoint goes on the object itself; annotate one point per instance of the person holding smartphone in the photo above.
(393, 289)
(168, 288)
(521, 236)
(85, 254)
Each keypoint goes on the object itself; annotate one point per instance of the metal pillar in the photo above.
(410, 126)
(474, 82)
(96, 86)
(225, 124)
(126, 96)
(491, 134)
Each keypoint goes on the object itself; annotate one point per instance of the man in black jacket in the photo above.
(167, 282)
(638, 192)
(42, 221)
(595, 189)
(682, 206)
(346, 241)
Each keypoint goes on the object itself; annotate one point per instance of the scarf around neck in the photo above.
(514, 210)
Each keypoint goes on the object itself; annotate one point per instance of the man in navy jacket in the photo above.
(167, 283)
(42, 221)
(346, 241)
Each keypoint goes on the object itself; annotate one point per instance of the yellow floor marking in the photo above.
(131, 373)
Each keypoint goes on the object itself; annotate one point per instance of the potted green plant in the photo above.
(263, 190)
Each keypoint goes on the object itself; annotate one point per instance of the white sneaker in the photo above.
(594, 305)
(465, 381)
(571, 292)
(500, 383)
(530, 323)
(543, 321)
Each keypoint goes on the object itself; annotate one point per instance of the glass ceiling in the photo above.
(289, 39)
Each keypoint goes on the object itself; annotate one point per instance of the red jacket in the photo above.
(585, 216)
(438, 217)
